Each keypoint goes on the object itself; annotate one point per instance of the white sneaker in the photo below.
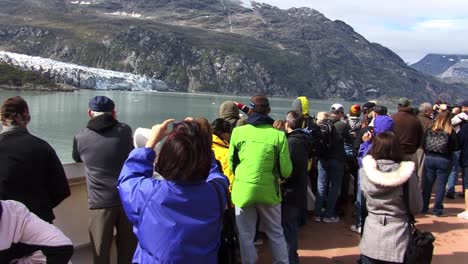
(463, 215)
(317, 219)
(331, 219)
(355, 229)
(258, 242)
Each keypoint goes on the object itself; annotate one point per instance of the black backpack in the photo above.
(324, 137)
(437, 142)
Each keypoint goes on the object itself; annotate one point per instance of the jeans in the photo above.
(437, 169)
(246, 219)
(358, 202)
(465, 178)
(289, 221)
(367, 260)
(330, 175)
(452, 180)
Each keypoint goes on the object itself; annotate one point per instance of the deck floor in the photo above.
(322, 243)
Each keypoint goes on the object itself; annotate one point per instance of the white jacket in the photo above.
(21, 229)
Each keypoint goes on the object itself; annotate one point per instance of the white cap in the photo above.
(336, 107)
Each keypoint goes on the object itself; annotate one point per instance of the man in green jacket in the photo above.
(259, 158)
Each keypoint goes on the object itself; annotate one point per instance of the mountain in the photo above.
(222, 46)
(437, 64)
(450, 68)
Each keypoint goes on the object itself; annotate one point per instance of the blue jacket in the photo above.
(174, 223)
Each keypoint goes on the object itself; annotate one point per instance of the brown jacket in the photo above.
(426, 121)
(408, 129)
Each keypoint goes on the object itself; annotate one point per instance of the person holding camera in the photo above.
(177, 219)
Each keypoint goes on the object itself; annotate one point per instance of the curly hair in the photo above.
(14, 112)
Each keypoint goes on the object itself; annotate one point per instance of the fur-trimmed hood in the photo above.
(387, 173)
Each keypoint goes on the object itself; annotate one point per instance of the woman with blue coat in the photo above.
(177, 219)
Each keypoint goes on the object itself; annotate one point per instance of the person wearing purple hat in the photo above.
(30, 171)
(103, 146)
(382, 123)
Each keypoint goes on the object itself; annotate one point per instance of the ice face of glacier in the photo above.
(81, 76)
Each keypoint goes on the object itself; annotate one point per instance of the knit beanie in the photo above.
(355, 110)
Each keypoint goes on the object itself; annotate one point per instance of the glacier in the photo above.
(82, 76)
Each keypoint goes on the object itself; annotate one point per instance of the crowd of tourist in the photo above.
(167, 206)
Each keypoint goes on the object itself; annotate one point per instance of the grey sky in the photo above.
(411, 28)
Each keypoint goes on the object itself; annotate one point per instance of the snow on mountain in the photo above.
(458, 71)
(80, 3)
(83, 77)
(124, 14)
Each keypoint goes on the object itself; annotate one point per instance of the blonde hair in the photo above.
(443, 122)
(322, 116)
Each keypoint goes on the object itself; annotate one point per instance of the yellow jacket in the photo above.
(221, 152)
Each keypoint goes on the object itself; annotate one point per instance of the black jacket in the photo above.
(31, 173)
(294, 189)
(340, 136)
(103, 146)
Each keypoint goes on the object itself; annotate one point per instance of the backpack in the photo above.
(324, 137)
(437, 142)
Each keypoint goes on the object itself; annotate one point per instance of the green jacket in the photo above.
(258, 156)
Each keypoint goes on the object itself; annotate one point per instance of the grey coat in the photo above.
(386, 231)
(103, 146)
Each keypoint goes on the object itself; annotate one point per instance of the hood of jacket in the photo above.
(260, 119)
(385, 175)
(299, 133)
(102, 122)
(408, 109)
(220, 142)
(301, 104)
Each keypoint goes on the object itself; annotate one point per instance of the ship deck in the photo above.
(319, 243)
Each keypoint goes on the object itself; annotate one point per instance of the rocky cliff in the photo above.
(225, 46)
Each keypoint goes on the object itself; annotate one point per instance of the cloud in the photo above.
(442, 24)
(412, 29)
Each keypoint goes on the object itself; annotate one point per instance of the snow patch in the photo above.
(246, 4)
(124, 14)
(80, 3)
(81, 76)
(451, 60)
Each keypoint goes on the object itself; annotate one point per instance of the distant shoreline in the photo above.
(39, 88)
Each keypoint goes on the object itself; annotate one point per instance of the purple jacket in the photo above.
(174, 223)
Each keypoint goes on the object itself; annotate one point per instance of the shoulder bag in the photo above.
(421, 244)
(229, 245)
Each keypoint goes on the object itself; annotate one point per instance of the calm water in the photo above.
(56, 117)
